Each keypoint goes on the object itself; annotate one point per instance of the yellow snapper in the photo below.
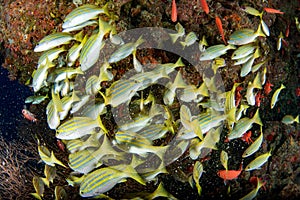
(160, 192)
(243, 125)
(74, 51)
(276, 95)
(253, 193)
(190, 39)
(88, 159)
(121, 91)
(53, 40)
(77, 127)
(104, 179)
(254, 146)
(209, 141)
(50, 55)
(215, 51)
(47, 157)
(224, 159)
(171, 89)
(253, 11)
(180, 32)
(91, 49)
(60, 193)
(251, 86)
(245, 36)
(53, 109)
(247, 66)
(125, 50)
(197, 173)
(40, 76)
(192, 93)
(50, 173)
(243, 51)
(39, 187)
(289, 119)
(82, 14)
(258, 161)
(80, 26)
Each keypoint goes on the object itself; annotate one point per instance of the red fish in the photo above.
(204, 6)
(247, 137)
(258, 98)
(267, 87)
(297, 91)
(60, 145)
(287, 31)
(220, 28)
(229, 174)
(238, 96)
(28, 115)
(174, 11)
(272, 10)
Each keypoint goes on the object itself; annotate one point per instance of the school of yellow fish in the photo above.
(103, 158)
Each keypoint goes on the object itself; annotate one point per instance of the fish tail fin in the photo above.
(231, 115)
(46, 182)
(197, 129)
(257, 82)
(182, 44)
(195, 150)
(260, 31)
(282, 87)
(131, 172)
(179, 63)
(297, 119)
(84, 39)
(75, 97)
(161, 152)
(55, 160)
(105, 9)
(57, 102)
(79, 71)
(174, 37)
(106, 99)
(231, 46)
(36, 195)
(104, 27)
(101, 124)
(179, 82)
(79, 36)
(257, 53)
(139, 41)
(256, 118)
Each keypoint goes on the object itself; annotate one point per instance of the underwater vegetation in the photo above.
(138, 113)
(16, 169)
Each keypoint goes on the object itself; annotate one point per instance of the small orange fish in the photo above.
(60, 145)
(247, 137)
(287, 31)
(229, 174)
(28, 115)
(267, 87)
(238, 96)
(272, 10)
(174, 11)
(220, 28)
(258, 98)
(204, 6)
(297, 91)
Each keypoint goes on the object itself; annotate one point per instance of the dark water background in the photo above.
(12, 97)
